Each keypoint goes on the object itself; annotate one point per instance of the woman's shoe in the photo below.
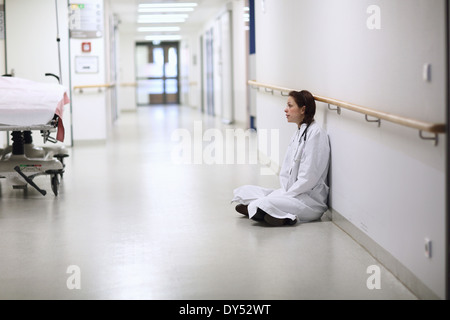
(275, 222)
(242, 209)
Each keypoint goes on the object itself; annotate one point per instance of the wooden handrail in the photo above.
(435, 128)
(128, 84)
(93, 86)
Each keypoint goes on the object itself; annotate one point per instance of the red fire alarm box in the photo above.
(86, 47)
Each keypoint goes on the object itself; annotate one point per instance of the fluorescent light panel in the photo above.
(162, 18)
(163, 38)
(158, 29)
(165, 12)
(162, 21)
(168, 5)
(162, 10)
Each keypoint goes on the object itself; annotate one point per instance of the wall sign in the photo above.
(86, 64)
(86, 20)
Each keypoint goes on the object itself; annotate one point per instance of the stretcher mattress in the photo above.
(28, 103)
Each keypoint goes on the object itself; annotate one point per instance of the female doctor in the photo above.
(303, 194)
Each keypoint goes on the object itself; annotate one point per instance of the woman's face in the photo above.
(294, 114)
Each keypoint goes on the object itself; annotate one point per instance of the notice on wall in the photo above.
(2, 21)
(86, 20)
(84, 64)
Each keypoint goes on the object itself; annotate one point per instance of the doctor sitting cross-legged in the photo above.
(303, 194)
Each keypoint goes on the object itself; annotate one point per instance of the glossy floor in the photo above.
(131, 222)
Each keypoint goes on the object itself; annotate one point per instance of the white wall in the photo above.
(127, 67)
(240, 52)
(2, 50)
(93, 114)
(184, 66)
(190, 70)
(385, 181)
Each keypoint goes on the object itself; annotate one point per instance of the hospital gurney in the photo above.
(27, 106)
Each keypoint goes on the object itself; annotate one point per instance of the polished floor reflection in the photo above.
(131, 223)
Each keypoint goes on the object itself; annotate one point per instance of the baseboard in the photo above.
(403, 274)
(134, 110)
(89, 143)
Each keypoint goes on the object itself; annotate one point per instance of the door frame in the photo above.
(447, 235)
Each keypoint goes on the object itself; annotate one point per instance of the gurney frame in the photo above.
(24, 160)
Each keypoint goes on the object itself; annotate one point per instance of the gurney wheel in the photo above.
(55, 184)
(61, 157)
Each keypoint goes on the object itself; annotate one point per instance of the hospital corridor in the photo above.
(224, 150)
(157, 230)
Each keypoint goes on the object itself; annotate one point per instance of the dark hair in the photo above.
(305, 98)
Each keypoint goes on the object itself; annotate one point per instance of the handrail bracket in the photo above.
(435, 138)
(269, 90)
(337, 109)
(376, 121)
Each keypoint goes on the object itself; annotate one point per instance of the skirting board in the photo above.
(402, 273)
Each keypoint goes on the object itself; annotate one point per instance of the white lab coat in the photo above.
(303, 177)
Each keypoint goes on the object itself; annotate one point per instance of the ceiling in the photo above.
(127, 12)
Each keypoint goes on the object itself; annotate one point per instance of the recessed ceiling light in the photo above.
(168, 5)
(162, 10)
(163, 38)
(162, 18)
(158, 29)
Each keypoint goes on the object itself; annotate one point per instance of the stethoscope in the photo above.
(296, 157)
(304, 133)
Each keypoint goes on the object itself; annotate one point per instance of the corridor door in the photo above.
(157, 75)
(217, 85)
